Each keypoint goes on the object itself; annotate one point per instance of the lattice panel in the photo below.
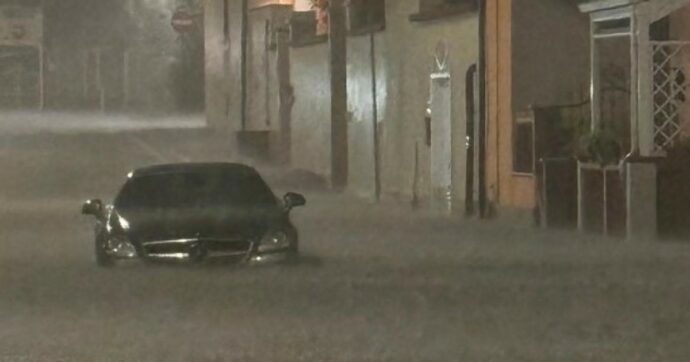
(671, 71)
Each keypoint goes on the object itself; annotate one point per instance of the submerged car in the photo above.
(194, 211)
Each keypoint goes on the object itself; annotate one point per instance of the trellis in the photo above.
(669, 91)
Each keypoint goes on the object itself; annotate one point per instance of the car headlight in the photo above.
(124, 224)
(273, 241)
(121, 247)
(117, 222)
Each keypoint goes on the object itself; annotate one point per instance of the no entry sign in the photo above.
(182, 21)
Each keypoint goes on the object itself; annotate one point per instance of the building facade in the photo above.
(411, 103)
(537, 67)
(405, 64)
(109, 56)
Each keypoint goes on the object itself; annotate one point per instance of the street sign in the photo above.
(182, 21)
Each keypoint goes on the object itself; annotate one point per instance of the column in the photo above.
(594, 81)
(645, 86)
(641, 175)
(641, 201)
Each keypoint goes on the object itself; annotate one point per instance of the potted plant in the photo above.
(600, 146)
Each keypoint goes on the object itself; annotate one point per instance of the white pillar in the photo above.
(634, 81)
(594, 77)
(645, 86)
(641, 179)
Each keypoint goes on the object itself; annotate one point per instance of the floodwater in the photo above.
(375, 282)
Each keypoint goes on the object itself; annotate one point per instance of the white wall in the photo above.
(216, 90)
(311, 114)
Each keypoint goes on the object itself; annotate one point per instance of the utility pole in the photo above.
(481, 74)
(41, 60)
(337, 37)
(375, 118)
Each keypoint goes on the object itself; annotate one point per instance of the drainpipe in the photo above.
(41, 64)
(481, 72)
(338, 81)
(243, 63)
(470, 114)
(375, 118)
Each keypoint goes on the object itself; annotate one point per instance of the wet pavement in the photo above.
(375, 282)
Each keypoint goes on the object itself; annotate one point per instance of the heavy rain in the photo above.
(344, 180)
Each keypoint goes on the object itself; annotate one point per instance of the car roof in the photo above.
(191, 167)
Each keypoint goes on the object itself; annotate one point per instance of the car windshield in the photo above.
(195, 189)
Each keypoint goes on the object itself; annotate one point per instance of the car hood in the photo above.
(168, 224)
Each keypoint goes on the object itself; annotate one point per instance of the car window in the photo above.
(195, 189)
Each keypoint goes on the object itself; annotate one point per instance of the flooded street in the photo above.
(375, 282)
(401, 180)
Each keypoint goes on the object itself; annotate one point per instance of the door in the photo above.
(270, 94)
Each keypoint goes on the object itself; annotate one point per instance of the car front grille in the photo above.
(196, 248)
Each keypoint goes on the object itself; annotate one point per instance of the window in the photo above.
(435, 9)
(612, 27)
(523, 143)
(303, 29)
(366, 16)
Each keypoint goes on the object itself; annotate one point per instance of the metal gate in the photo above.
(671, 72)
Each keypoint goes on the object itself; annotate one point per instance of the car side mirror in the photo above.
(293, 200)
(93, 207)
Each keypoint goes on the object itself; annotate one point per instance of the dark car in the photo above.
(195, 211)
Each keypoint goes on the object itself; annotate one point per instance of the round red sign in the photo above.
(182, 21)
